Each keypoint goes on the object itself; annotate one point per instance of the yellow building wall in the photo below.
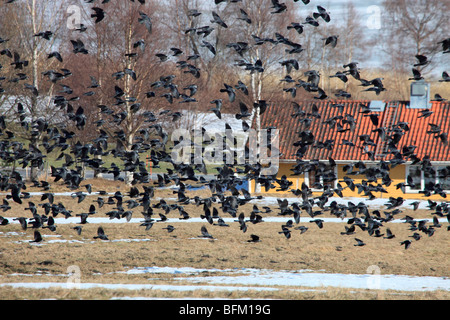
(284, 169)
(397, 175)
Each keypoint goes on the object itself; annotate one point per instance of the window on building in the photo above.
(443, 175)
(431, 176)
(416, 175)
(319, 179)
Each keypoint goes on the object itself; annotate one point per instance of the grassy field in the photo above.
(105, 261)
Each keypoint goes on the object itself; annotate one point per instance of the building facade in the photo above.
(362, 148)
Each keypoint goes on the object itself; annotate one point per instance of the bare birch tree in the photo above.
(32, 28)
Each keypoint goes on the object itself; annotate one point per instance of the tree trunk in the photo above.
(97, 172)
(129, 118)
(34, 170)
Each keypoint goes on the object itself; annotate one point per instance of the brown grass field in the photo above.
(105, 261)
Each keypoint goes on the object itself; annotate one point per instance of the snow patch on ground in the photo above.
(244, 279)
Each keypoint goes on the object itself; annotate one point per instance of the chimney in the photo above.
(420, 95)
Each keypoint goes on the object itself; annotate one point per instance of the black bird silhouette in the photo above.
(56, 55)
(47, 35)
(445, 45)
(230, 91)
(218, 20)
(349, 230)
(436, 223)
(286, 232)
(78, 229)
(296, 26)
(359, 243)
(23, 222)
(416, 75)
(322, 13)
(389, 234)
(99, 14)
(422, 60)
(302, 229)
(312, 21)
(254, 238)
(416, 236)
(425, 113)
(3, 221)
(101, 234)
(445, 77)
(18, 63)
(244, 113)
(319, 222)
(37, 237)
(78, 47)
(221, 223)
(205, 233)
(209, 46)
(406, 243)
(169, 228)
(83, 217)
(147, 224)
(331, 40)
(341, 75)
(50, 224)
(278, 7)
(146, 21)
(244, 16)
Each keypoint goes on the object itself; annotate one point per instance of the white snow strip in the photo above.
(69, 285)
(375, 203)
(355, 281)
(306, 278)
(265, 279)
(265, 201)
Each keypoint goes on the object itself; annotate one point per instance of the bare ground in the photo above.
(103, 261)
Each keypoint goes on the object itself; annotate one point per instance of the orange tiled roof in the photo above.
(394, 114)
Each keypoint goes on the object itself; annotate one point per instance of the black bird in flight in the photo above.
(445, 45)
(78, 47)
(406, 243)
(18, 63)
(421, 60)
(278, 7)
(218, 20)
(23, 222)
(101, 234)
(146, 21)
(78, 229)
(331, 40)
(56, 55)
(47, 35)
(169, 228)
(359, 243)
(319, 222)
(37, 237)
(389, 234)
(286, 232)
(322, 13)
(254, 238)
(205, 233)
(99, 14)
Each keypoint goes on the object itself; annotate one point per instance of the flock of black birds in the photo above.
(226, 180)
